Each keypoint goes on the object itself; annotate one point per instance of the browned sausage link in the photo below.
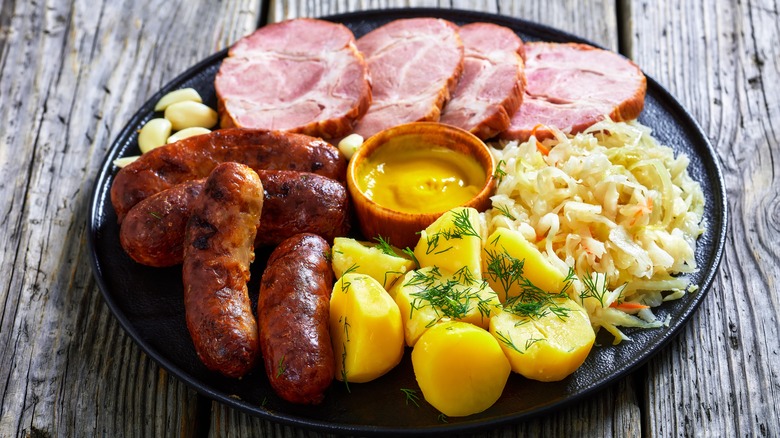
(195, 157)
(217, 254)
(152, 233)
(292, 313)
(295, 202)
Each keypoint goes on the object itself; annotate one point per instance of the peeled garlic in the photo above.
(182, 95)
(124, 161)
(350, 144)
(187, 132)
(190, 114)
(154, 134)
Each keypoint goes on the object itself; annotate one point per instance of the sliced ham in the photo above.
(491, 87)
(572, 86)
(302, 75)
(414, 65)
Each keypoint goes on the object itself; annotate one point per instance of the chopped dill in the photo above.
(346, 284)
(504, 209)
(461, 227)
(499, 172)
(409, 252)
(281, 367)
(531, 301)
(411, 396)
(384, 281)
(507, 340)
(155, 215)
(384, 246)
(594, 288)
(448, 297)
(344, 368)
(465, 276)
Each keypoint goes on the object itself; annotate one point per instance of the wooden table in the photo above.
(72, 73)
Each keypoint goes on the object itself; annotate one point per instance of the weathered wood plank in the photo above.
(71, 75)
(721, 60)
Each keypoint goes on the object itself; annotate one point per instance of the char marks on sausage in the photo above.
(414, 65)
(218, 250)
(303, 75)
(293, 317)
(491, 87)
(572, 86)
(152, 233)
(195, 157)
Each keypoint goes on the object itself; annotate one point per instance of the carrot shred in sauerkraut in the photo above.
(614, 205)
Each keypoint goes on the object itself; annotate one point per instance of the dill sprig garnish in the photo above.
(384, 246)
(281, 367)
(344, 368)
(507, 340)
(499, 172)
(448, 297)
(409, 252)
(411, 396)
(504, 269)
(594, 288)
(504, 210)
(345, 285)
(531, 301)
(461, 227)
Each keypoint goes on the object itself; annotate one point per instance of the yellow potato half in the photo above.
(548, 348)
(453, 242)
(460, 368)
(365, 329)
(501, 254)
(384, 263)
(430, 295)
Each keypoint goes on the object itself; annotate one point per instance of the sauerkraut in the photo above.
(612, 204)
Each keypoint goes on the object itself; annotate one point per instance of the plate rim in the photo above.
(101, 188)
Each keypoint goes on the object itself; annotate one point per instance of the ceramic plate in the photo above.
(148, 301)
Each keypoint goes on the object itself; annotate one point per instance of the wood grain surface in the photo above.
(72, 73)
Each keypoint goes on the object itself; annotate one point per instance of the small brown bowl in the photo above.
(401, 228)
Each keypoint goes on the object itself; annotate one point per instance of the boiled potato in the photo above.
(548, 348)
(365, 329)
(460, 368)
(500, 255)
(382, 262)
(452, 242)
(430, 295)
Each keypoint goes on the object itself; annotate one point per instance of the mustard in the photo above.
(420, 180)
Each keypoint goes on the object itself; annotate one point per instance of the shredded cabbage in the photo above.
(614, 205)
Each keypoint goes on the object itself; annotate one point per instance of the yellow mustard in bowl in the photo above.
(403, 178)
(420, 179)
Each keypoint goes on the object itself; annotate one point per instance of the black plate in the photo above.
(148, 302)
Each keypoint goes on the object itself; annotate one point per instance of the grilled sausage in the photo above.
(217, 253)
(293, 314)
(195, 157)
(294, 202)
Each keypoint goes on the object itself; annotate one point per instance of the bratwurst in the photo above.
(293, 316)
(195, 157)
(294, 202)
(218, 250)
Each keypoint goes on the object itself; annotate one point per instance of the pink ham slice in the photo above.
(414, 65)
(491, 87)
(302, 75)
(572, 86)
